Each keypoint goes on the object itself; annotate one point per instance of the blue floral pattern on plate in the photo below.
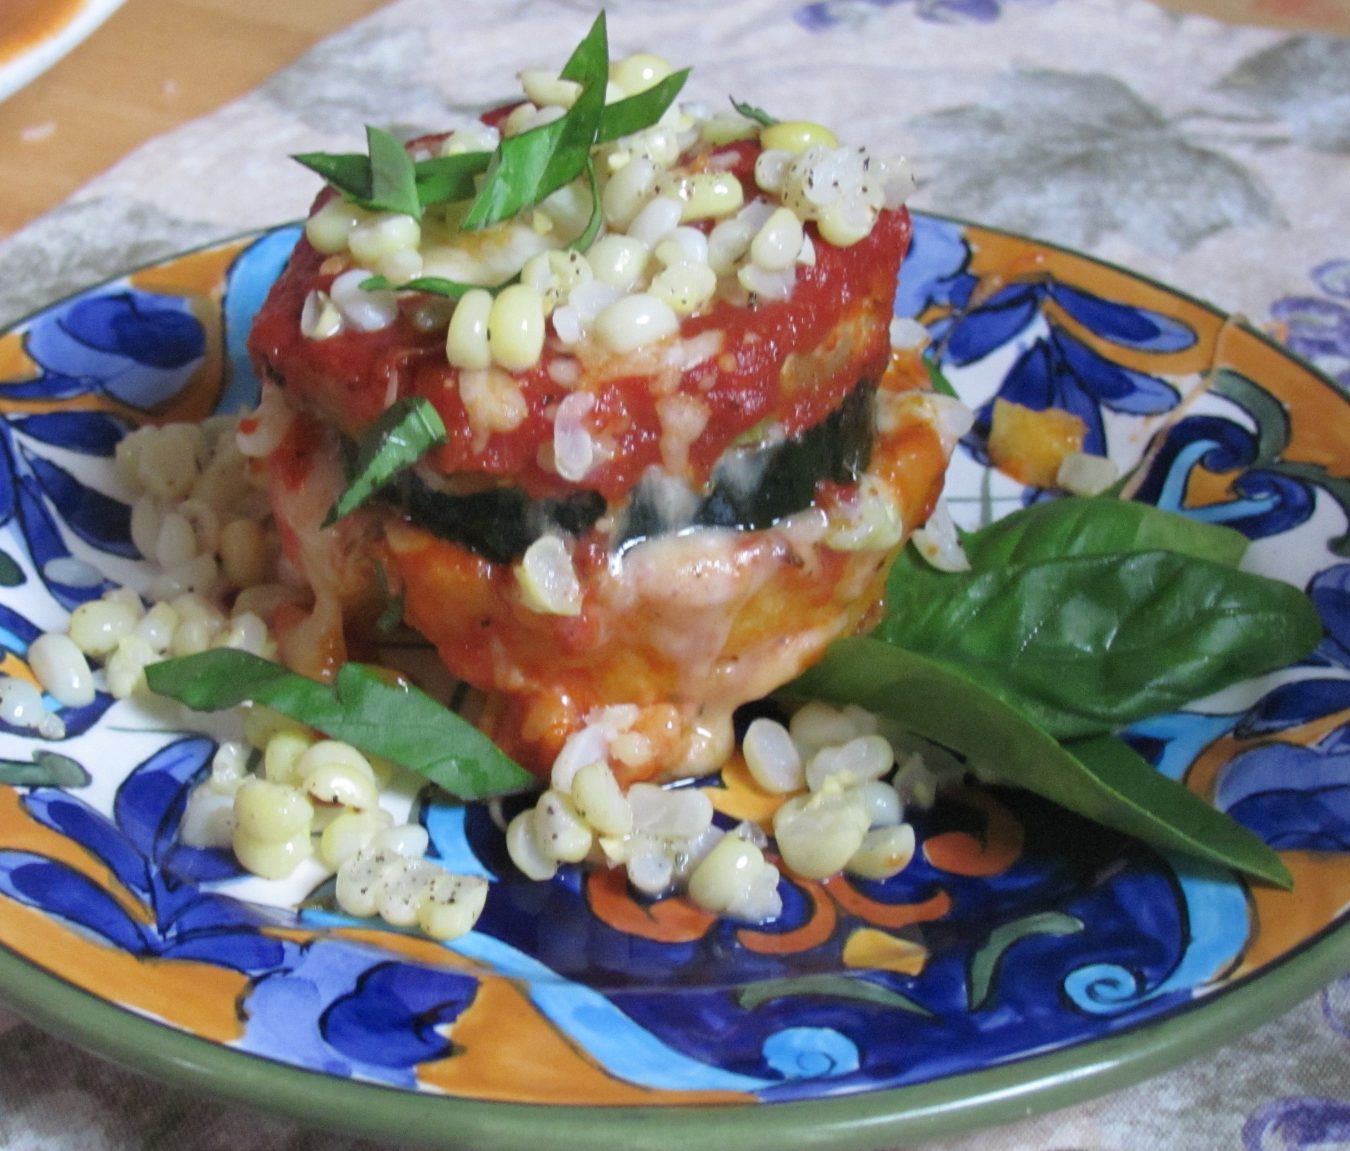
(1017, 931)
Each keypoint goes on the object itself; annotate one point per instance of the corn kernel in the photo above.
(327, 230)
(515, 328)
(547, 580)
(710, 195)
(726, 875)
(272, 811)
(546, 89)
(777, 243)
(282, 753)
(796, 136)
(97, 627)
(243, 553)
(349, 833)
(772, 758)
(339, 783)
(627, 191)
(451, 905)
(633, 321)
(618, 260)
(523, 847)
(466, 339)
(271, 858)
(61, 668)
(639, 72)
(818, 834)
(884, 852)
(600, 801)
(381, 234)
(559, 830)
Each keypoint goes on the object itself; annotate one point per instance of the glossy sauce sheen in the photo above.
(687, 626)
(352, 377)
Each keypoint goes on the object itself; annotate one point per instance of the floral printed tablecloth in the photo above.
(1214, 158)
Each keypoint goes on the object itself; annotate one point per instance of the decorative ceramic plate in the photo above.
(1025, 959)
(35, 34)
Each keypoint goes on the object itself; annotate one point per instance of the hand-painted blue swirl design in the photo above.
(46, 495)
(136, 347)
(810, 1053)
(1313, 697)
(936, 269)
(1060, 371)
(1217, 931)
(1295, 798)
(1054, 366)
(251, 276)
(1267, 502)
(394, 1015)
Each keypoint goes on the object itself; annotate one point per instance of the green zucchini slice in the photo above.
(753, 487)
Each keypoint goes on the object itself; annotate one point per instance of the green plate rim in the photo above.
(862, 1121)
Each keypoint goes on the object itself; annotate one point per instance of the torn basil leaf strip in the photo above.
(347, 172)
(750, 112)
(449, 179)
(397, 440)
(392, 720)
(432, 285)
(393, 179)
(633, 113)
(529, 167)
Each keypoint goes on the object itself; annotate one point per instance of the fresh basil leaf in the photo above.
(1089, 643)
(448, 179)
(409, 429)
(531, 166)
(348, 172)
(597, 216)
(432, 285)
(383, 181)
(1101, 779)
(1093, 525)
(589, 62)
(633, 113)
(399, 723)
(750, 112)
(393, 180)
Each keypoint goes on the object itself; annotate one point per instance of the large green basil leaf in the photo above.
(1089, 643)
(400, 723)
(1101, 779)
(1085, 525)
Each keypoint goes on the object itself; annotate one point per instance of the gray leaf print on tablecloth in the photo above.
(357, 77)
(1078, 157)
(1306, 83)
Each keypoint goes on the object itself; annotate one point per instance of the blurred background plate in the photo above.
(35, 34)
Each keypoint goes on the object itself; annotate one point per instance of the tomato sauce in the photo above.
(830, 330)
